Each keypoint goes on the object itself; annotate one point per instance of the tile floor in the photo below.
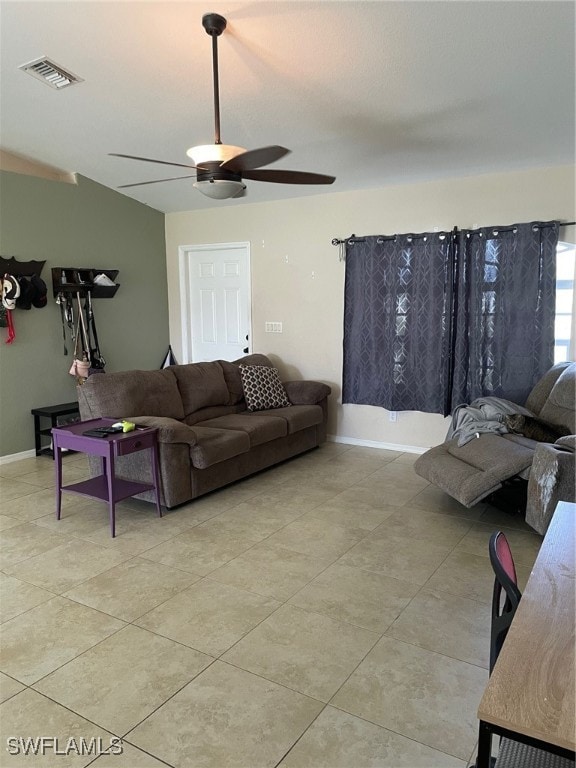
(331, 612)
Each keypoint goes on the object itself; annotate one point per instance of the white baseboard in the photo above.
(375, 444)
(17, 456)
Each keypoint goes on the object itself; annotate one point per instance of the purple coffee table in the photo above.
(106, 487)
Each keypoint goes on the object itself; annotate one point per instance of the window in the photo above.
(563, 327)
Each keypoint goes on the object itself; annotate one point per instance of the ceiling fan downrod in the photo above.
(214, 24)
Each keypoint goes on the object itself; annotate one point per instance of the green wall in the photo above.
(83, 225)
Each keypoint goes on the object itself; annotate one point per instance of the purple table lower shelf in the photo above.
(106, 487)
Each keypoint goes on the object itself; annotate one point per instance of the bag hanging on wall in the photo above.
(80, 369)
(80, 365)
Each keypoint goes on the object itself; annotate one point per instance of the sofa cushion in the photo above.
(201, 385)
(297, 417)
(169, 430)
(216, 445)
(559, 407)
(260, 429)
(503, 454)
(541, 390)
(263, 388)
(255, 359)
(233, 381)
(213, 412)
(138, 393)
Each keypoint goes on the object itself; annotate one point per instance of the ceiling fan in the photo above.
(222, 168)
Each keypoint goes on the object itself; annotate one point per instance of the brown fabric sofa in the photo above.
(207, 437)
(471, 472)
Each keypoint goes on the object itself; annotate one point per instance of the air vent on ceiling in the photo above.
(50, 73)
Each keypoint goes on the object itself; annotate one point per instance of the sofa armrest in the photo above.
(567, 443)
(306, 392)
(169, 430)
(551, 480)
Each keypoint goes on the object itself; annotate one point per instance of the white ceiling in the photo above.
(375, 93)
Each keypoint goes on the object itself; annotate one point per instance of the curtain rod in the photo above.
(535, 225)
(337, 241)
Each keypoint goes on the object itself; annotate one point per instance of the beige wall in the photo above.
(297, 278)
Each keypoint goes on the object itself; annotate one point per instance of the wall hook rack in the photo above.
(11, 266)
(82, 280)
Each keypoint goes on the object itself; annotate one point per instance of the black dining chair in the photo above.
(505, 596)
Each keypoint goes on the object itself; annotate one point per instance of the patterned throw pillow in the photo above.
(262, 388)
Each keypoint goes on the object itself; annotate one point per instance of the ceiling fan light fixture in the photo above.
(221, 168)
(213, 153)
(220, 189)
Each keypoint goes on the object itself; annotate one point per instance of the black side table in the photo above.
(52, 412)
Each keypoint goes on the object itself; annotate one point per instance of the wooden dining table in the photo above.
(530, 696)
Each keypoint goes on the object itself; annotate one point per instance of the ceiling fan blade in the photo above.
(288, 177)
(255, 158)
(156, 181)
(150, 160)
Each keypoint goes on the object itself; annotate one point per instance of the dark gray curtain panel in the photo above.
(505, 291)
(435, 320)
(396, 307)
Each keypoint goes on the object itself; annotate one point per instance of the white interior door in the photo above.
(215, 293)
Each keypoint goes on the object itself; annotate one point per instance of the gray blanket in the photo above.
(485, 414)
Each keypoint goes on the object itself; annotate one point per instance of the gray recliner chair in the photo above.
(471, 472)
